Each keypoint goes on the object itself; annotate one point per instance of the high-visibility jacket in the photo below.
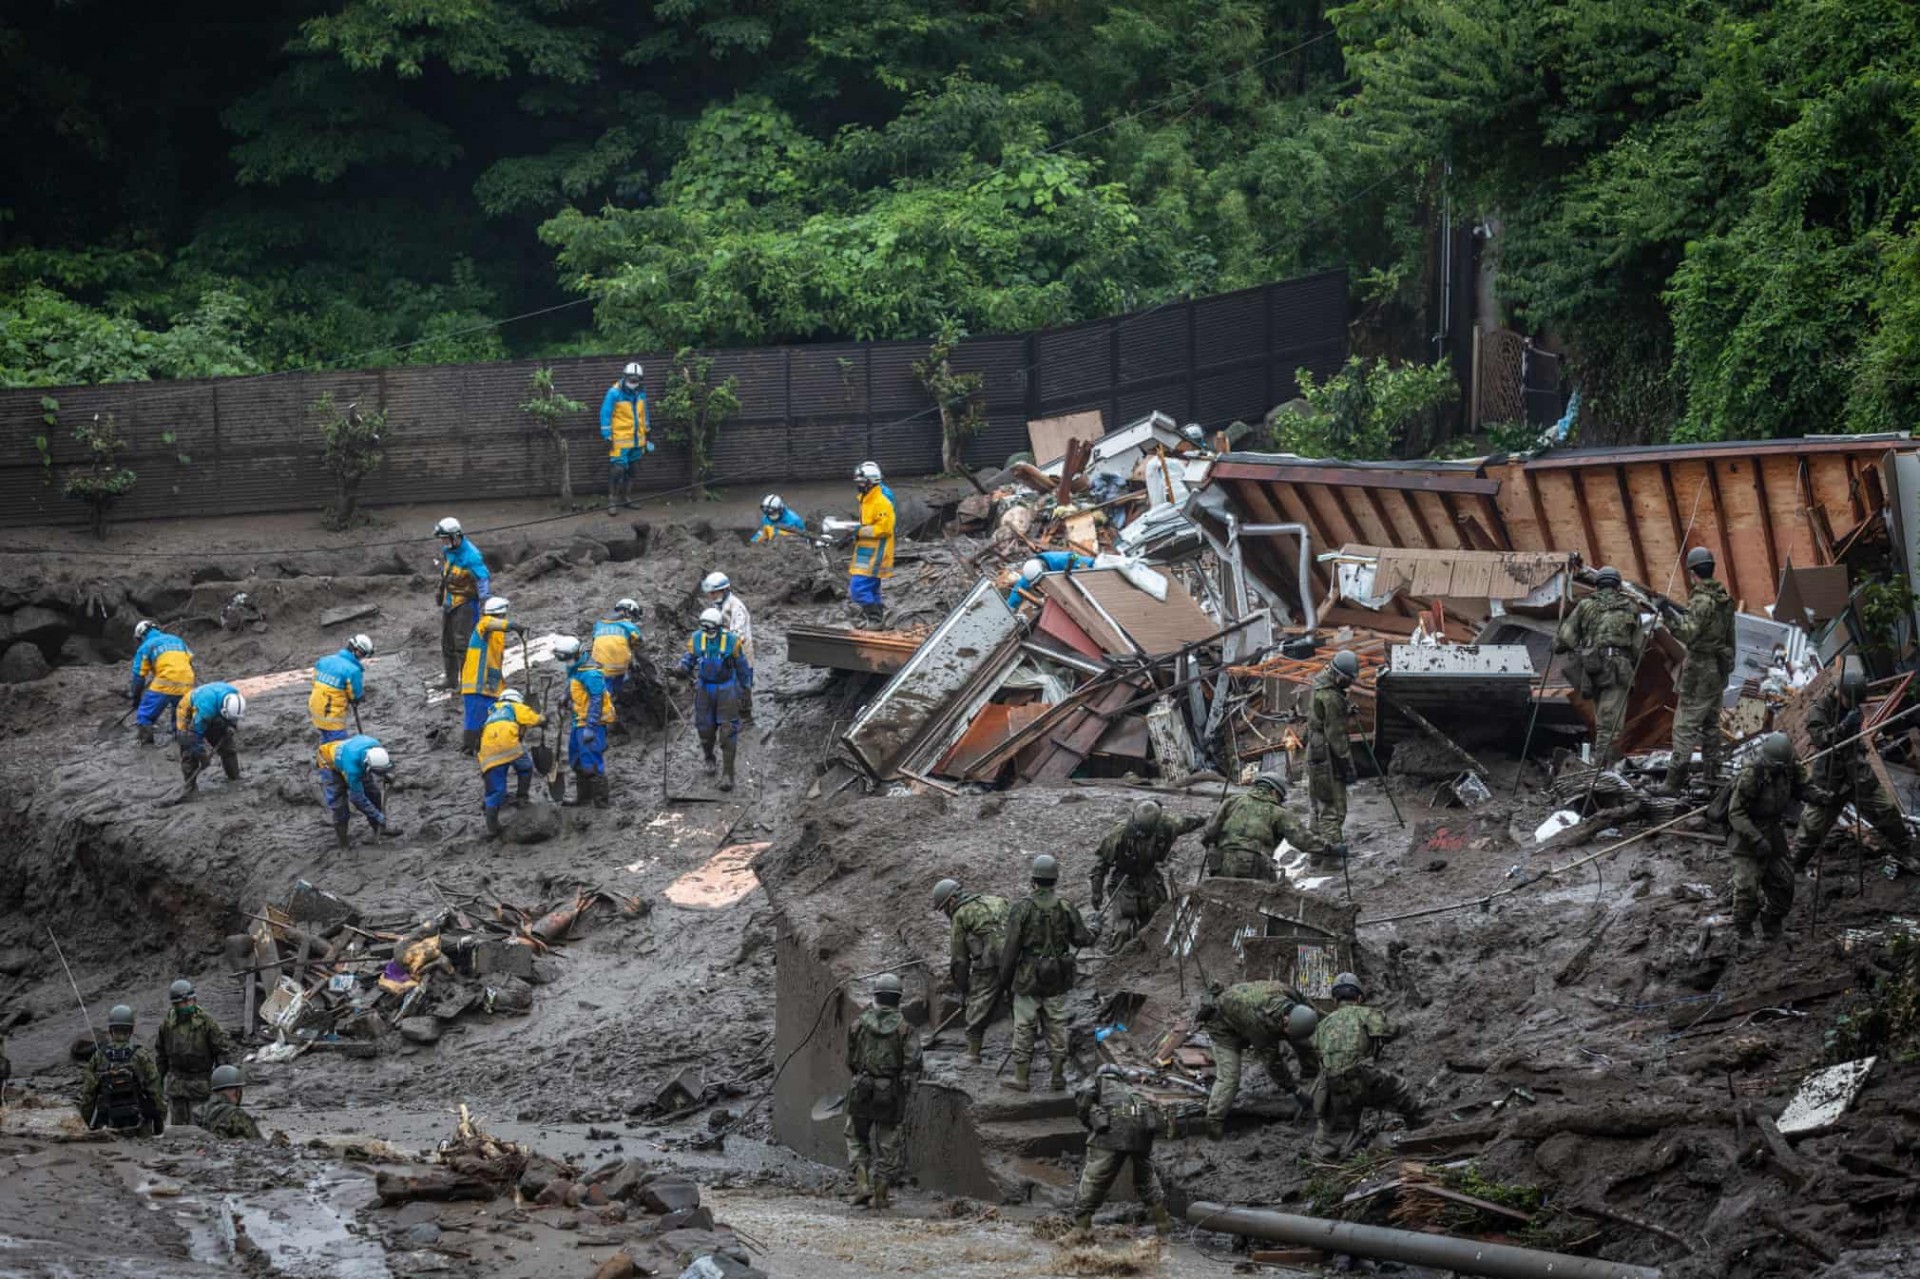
(623, 419)
(789, 523)
(873, 543)
(592, 704)
(1054, 562)
(500, 737)
(163, 664)
(486, 650)
(717, 659)
(614, 639)
(349, 759)
(201, 708)
(338, 680)
(466, 576)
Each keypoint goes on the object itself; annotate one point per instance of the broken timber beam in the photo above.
(1682, 1017)
(1446, 743)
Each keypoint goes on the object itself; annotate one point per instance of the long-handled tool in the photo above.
(1384, 788)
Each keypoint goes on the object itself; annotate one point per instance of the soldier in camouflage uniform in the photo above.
(1349, 1040)
(978, 930)
(883, 1055)
(120, 1088)
(1706, 629)
(190, 1044)
(220, 1114)
(1762, 869)
(1121, 1123)
(1131, 857)
(1242, 836)
(1254, 1018)
(1036, 964)
(1843, 777)
(1606, 639)
(1330, 768)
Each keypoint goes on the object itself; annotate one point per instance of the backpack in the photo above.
(1051, 941)
(1617, 626)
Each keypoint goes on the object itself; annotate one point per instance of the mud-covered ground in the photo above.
(1496, 1023)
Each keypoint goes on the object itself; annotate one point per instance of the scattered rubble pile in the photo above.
(652, 1216)
(325, 978)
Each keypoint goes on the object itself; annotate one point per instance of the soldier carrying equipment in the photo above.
(1606, 639)
(221, 1114)
(190, 1044)
(1349, 1041)
(1036, 963)
(1131, 858)
(978, 931)
(1330, 767)
(1122, 1123)
(1241, 838)
(1762, 869)
(120, 1088)
(1706, 629)
(1255, 1018)
(883, 1055)
(1842, 776)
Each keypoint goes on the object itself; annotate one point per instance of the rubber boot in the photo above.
(876, 617)
(144, 733)
(746, 705)
(975, 1046)
(602, 792)
(862, 1189)
(520, 792)
(387, 830)
(582, 789)
(707, 761)
(1020, 1081)
(469, 741)
(880, 1199)
(230, 764)
(493, 824)
(341, 838)
(1772, 929)
(1058, 1081)
(1084, 1223)
(726, 767)
(1676, 779)
(1162, 1220)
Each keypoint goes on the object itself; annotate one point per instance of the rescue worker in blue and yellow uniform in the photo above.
(464, 587)
(162, 675)
(615, 641)
(1042, 564)
(623, 425)
(339, 680)
(590, 710)
(777, 521)
(207, 722)
(350, 773)
(501, 748)
(721, 672)
(484, 674)
(872, 546)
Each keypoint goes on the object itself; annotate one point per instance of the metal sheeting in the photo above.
(456, 432)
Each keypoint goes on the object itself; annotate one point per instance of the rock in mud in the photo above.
(700, 1218)
(509, 995)
(618, 1266)
(22, 664)
(534, 824)
(420, 1030)
(665, 1195)
(424, 1235)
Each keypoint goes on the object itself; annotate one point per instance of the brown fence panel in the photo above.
(456, 432)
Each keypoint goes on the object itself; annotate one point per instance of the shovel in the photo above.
(829, 1105)
(108, 729)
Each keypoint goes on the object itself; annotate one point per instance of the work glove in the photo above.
(518, 628)
(866, 530)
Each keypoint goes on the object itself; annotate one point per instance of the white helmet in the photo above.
(448, 527)
(566, 648)
(378, 761)
(495, 607)
(1033, 569)
(633, 371)
(772, 505)
(361, 646)
(626, 608)
(867, 473)
(710, 620)
(141, 628)
(233, 708)
(715, 581)
(512, 695)
(1193, 432)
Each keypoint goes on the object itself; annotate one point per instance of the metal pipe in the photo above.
(1465, 1256)
(1234, 530)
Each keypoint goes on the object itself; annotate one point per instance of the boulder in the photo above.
(557, 1191)
(585, 550)
(424, 1235)
(36, 623)
(420, 1030)
(22, 664)
(700, 1218)
(620, 1179)
(509, 995)
(534, 824)
(618, 1266)
(669, 1194)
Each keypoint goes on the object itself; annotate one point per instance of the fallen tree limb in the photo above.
(1586, 1208)
(1813, 1243)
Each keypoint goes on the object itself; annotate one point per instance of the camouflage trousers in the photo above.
(1866, 795)
(1133, 903)
(184, 1095)
(1329, 795)
(1696, 719)
(875, 1150)
(980, 1003)
(1609, 712)
(1230, 1052)
(1241, 863)
(1046, 1013)
(1762, 880)
(1338, 1105)
(1102, 1169)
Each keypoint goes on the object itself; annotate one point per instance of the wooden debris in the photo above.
(1813, 1243)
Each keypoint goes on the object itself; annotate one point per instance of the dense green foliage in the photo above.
(349, 450)
(1370, 409)
(1708, 203)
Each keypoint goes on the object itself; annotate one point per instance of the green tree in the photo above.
(350, 450)
(956, 395)
(99, 481)
(1366, 411)
(694, 408)
(549, 410)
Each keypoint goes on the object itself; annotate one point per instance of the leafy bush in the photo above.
(351, 452)
(694, 408)
(549, 408)
(101, 480)
(1365, 411)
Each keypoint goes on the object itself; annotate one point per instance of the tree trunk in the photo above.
(952, 448)
(566, 471)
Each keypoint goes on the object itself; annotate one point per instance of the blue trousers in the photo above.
(495, 780)
(337, 794)
(716, 710)
(615, 683)
(332, 735)
(156, 708)
(478, 707)
(863, 590)
(588, 748)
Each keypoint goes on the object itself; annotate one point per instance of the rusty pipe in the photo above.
(1465, 1256)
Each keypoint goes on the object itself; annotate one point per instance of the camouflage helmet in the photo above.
(228, 1077)
(180, 992)
(1146, 812)
(1700, 561)
(1046, 870)
(1853, 687)
(1347, 982)
(886, 988)
(1300, 1021)
(1777, 749)
(1346, 666)
(119, 1016)
(944, 892)
(1275, 782)
(1608, 576)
